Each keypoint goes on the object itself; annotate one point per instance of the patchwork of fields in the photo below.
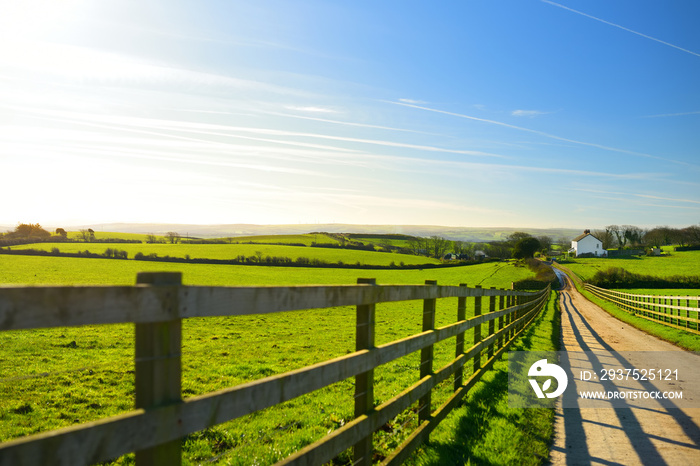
(74, 375)
(232, 251)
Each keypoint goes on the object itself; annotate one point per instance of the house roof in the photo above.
(580, 237)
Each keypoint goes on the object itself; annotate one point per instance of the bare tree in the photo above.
(694, 234)
(86, 236)
(619, 234)
(606, 237)
(173, 237)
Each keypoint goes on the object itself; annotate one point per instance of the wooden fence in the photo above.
(656, 308)
(159, 302)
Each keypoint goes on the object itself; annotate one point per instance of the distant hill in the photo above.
(472, 234)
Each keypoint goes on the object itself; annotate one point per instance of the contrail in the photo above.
(622, 27)
(672, 114)
(520, 128)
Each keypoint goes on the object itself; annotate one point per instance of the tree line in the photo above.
(631, 236)
(519, 245)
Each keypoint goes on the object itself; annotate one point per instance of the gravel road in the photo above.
(655, 434)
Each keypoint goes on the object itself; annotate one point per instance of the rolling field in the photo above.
(74, 375)
(677, 263)
(36, 270)
(100, 235)
(232, 251)
(306, 240)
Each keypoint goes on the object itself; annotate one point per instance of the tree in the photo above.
(619, 233)
(151, 238)
(514, 237)
(29, 230)
(526, 248)
(681, 236)
(418, 246)
(173, 237)
(545, 243)
(438, 246)
(693, 232)
(86, 235)
(61, 232)
(659, 236)
(606, 237)
(634, 235)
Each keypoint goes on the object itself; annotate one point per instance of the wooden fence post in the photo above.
(501, 303)
(477, 328)
(492, 323)
(158, 365)
(426, 355)
(459, 347)
(364, 382)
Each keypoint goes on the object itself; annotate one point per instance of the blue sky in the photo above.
(519, 113)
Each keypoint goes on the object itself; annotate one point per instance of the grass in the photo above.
(484, 430)
(102, 235)
(231, 251)
(37, 270)
(52, 378)
(677, 263)
(662, 292)
(306, 239)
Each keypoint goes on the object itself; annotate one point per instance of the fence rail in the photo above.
(656, 308)
(159, 302)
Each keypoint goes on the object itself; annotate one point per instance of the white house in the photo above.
(588, 244)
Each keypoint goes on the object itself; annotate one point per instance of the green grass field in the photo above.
(35, 270)
(51, 378)
(102, 235)
(231, 251)
(306, 240)
(677, 263)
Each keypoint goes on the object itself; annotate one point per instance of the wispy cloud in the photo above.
(621, 27)
(92, 66)
(528, 113)
(312, 109)
(235, 132)
(411, 101)
(672, 114)
(351, 123)
(541, 133)
(694, 202)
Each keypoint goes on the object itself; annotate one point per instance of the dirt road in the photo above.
(656, 435)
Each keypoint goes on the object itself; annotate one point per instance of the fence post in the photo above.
(501, 302)
(364, 382)
(477, 328)
(158, 365)
(509, 317)
(426, 355)
(459, 347)
(492, 323)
